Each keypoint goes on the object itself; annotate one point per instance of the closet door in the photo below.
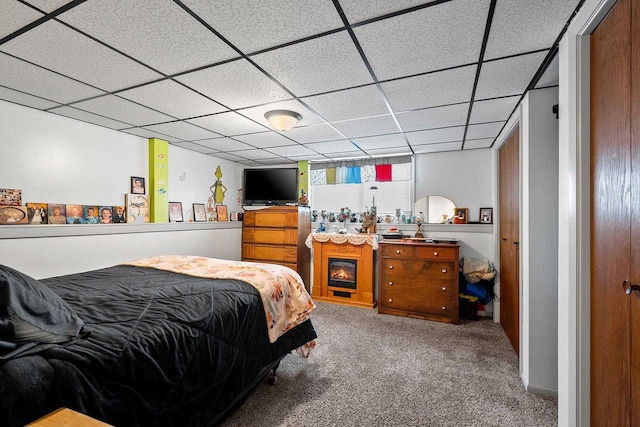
(509, 239)
(615, 213)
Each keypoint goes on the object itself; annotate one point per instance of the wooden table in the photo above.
(67, 418)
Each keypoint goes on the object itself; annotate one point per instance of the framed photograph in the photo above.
(221, 211)
(105, 214)
(175, 212)
(75, 214)
(90, 214)
(486, 216)
(37, 213)
(57, 213)
(199, 212)
(118, 215)
(461, 216)
(137, 185)
(10, 197)
(10, 215)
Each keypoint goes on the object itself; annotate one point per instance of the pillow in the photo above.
(48, 317)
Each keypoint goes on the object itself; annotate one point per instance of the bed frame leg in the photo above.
(274, 377)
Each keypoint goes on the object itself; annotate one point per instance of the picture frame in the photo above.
(75, 214)
(461, 216)
(90, 214)
(37, 213)
(486, 216)
(57, 214)
(118, 215)
(199, 212)
(13, 215)
(105, 214)
(10, 197)
(138, 185)
(221, 211)
(175, 212)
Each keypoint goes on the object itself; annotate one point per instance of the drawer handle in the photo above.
(444, 308)
(444, 288)
(390, 283)
(435, 253)
(390, 300)
(444, 270)
(397, 251)
(391, 267)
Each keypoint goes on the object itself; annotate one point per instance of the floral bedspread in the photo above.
(286, 302)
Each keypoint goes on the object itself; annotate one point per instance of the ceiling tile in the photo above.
(493, 109)
(551, 76)
(367, 127)
(123, 110)
(360, 10)
(146, 133)
(172, 98)
(85, 116)
(436, 135)
(48, 5)
(157, 32)
(257, 113)
(433, 118)
(16, 15)
(391, 151)
(315, 133)
(231, 157)
(341, 146)
(509, 76)
(236, 84)
(435, 148)
(224, 144)
(430, 90)
(292, 150)
(382, 141)
(275, 161)
(471, 144)
(349, 104)
(56, 47)
(437, 37)
(228, 124)
(194, 147)
(265, 139)
(251, 26)
(182, 130)
(320, 65)
(312, 157)
(254, 154)
(524, 26)
(485, 130)
(25, 99)
(28, 78)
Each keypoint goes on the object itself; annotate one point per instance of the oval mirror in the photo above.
(436, 209)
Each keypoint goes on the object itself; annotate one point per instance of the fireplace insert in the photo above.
(343, 273)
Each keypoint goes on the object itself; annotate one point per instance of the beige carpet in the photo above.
(370, 369)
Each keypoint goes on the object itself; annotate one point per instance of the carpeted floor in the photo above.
(370, 369)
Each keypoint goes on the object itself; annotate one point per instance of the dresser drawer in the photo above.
(285, 236)
(437, 252)
(398, 251)
(421, 270)
(435, 303)
(270, 252)
(419, 286)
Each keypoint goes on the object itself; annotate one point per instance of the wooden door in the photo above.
(509, 239)
(615, 215)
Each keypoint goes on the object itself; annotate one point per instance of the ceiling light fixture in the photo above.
(282, 119)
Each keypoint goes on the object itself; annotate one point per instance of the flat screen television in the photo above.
(275, 186)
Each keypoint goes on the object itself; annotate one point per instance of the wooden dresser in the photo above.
(419, 280)
(276, 235)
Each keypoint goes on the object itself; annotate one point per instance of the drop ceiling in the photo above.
(370, 78)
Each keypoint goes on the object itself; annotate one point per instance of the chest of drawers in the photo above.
(419, 280)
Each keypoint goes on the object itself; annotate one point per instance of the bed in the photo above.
(156, 342)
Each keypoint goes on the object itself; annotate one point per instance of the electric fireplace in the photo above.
(343, 273)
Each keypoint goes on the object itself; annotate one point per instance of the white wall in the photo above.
(465, 177)
(55, 159)
(539, 242)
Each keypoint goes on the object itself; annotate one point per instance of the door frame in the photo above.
(574, 237)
